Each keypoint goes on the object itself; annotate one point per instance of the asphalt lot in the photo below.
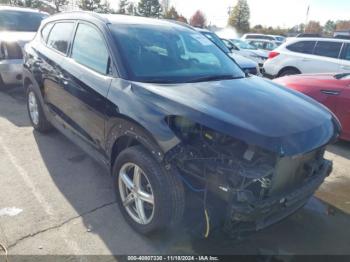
(54, 199)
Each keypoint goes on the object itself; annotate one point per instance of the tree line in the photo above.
(239, 15)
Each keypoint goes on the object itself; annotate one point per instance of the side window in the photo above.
(346, 53)
(89, 49)
(60, 35)
(328, 49)
(305, 47)
(45, 31)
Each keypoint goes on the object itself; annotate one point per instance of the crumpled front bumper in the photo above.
(264, 213)
(11, 71)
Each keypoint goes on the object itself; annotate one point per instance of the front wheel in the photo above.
(36, 113)
(150, 197)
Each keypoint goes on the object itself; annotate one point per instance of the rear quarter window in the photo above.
(305, 47)
(60, 36)
(328, 49)
(46, 31)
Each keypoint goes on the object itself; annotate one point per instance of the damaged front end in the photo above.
(257, 187)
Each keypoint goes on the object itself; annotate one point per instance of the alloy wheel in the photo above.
(136, 193)
(33, 108)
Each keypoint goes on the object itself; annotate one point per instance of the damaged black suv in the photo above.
(165, 109)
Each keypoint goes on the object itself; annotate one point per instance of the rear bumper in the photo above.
(11, 71)
(264, 213)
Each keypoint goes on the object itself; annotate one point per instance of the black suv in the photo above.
(165, 109)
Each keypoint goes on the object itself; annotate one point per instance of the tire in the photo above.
(165, 186)
(288, 72)
(2, 84)
(40, 122)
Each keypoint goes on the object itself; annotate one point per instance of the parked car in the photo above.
(308, 35)
(266, 45)
(278, 39)
(142, 96)
(253, 54)
(309, 55)
(332, 90)
(243, 45)
(17, 27)
(248, 65)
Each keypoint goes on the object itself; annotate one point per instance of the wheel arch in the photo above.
(126, 132)
(288, 68)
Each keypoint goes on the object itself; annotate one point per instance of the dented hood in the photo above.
(252, 109)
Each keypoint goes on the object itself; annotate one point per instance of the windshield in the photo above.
(243, 45)
(216, 40)
(279, 38)
(20, 21)
(163, 54)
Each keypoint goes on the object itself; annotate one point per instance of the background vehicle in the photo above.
(309, 55)
(266, 45)
(332, 90)
(308, 35)
(248, 65)
(253, 53)
(243, 45)
(17, 27)
(161, 106)
(275, 38)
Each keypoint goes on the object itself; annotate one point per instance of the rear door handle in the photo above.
(305, 60)
(63, 79)
(345, 67)
(330, 92)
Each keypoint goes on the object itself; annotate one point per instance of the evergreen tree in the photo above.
(123, 6)
(149, 8)
(239, 17)
(171, 14)
(59, 3)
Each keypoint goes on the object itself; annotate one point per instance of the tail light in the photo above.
(273, 54)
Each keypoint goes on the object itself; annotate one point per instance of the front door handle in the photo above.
(330, 92)
(345, 67)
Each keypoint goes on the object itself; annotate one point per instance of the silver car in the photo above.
(17, 27)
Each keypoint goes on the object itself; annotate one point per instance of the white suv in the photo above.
(309, 55)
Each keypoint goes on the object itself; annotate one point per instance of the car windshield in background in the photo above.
(159, 54)
(244, 45)
(20, 21)
(279, 38)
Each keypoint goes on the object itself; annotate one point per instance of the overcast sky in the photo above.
(284, 13)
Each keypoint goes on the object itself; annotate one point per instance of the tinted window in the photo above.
(329, 49)
(60, 36)
(254, 37)
(162, 54)
(89, 48)
(46, 30)
(20, 21)
(346, 53)
(306, 47)
(216, 40)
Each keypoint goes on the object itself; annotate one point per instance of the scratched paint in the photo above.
(10, 211)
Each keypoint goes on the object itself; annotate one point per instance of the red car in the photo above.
(331, 90)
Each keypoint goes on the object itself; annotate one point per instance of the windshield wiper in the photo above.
(340, 76)
(213, 78)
